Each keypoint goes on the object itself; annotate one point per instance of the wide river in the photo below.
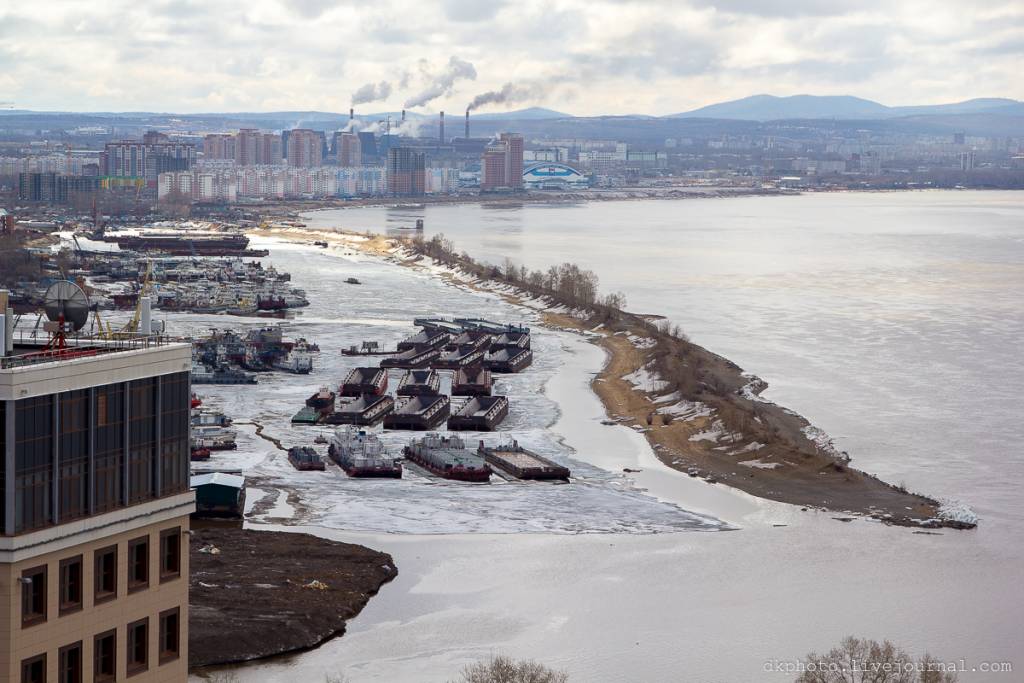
(894, 321)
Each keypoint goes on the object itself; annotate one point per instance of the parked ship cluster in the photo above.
(225, 356)
(231, 286)
(210, 431)
(468, 351)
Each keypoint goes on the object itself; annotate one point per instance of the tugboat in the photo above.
(447, 457)
(362, 455)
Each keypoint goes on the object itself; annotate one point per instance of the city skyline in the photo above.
(585, 58)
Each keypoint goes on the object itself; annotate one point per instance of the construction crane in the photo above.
(132, 327)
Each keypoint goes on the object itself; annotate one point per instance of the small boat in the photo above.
(352, 281)
(304, 459)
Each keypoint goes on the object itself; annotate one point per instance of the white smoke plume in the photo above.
(371, 92)
(443, 83)
(510, 93)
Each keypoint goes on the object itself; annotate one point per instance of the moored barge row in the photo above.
(419, 413)
(477, 338)
(521, 463)
(362, 381)
(361, 454)
(413, 358)
(472, 381)
(480, 414)
(419, 383)
(508, 360)
(304, 459)
(490, 327)
(367, 410)
(511, 340)
(447, 457)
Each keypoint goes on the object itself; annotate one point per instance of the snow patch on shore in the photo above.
(955, 511)
(645, 380)
(751, 390)
(823, 441)
(760, 464)
(686, 410)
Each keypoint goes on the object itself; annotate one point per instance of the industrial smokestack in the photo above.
(467, 124)
(403, 116)
(440, 135)
(351, 113)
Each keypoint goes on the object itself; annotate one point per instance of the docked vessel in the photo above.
(508, 360)
(367, 410)
(362, 381)
(461, 356)
(412, 358)
(213, 437)
(447, 457)
(480, 414)
(201, 374)
(362, 455)
(304, 458)
(521, 463)
(419, 413)
(472, 381)
(419, 383)
(299, 360)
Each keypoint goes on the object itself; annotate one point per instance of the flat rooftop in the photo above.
(37, 350)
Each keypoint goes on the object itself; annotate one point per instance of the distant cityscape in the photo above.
(142, 162)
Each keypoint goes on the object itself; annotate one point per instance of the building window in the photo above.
(105, 657)
(34, 670)
(138, 646)
(138, 564)
(71, 585)
(170, 635)
(170, 554)
(105, 569)
(69, 667)
(33, 463)
(33, 596)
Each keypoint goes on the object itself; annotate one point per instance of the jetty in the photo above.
(479, 414)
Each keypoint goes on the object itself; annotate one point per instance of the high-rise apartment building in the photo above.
(501, 166)
(406, 172)
(305, 148)
(94, 511)
(219, 146)
(347, 149)
(255, 148)
(147, 159)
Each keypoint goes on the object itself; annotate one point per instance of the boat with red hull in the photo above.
(447, 457)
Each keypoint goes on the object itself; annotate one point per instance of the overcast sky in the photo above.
(580, 56)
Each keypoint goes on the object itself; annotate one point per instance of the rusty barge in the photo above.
(521, 463)
(420, 413)
(479, 414)
(367, 410)
(419, 383)
(447, 457)
(472, 381)
(304, 459)
(362, 381)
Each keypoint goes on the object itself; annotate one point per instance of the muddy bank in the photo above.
(266, 593)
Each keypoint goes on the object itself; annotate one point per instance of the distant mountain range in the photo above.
(772, 108)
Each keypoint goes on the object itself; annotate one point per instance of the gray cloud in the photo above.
(371, 92)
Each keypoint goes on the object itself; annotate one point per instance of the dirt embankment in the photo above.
(265, 593)
(719, 428)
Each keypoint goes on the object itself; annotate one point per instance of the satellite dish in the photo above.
(66, 299)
